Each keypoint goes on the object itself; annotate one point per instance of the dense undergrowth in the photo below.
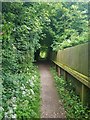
(72, 104)
(21, 94)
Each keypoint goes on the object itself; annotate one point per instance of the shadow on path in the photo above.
(51, 105)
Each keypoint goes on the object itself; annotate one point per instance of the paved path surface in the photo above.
(51, 106)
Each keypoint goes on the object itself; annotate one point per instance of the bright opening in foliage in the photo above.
(43, 54)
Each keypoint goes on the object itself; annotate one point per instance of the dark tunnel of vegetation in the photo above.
(30, 32)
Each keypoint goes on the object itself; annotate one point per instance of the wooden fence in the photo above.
(74, 63)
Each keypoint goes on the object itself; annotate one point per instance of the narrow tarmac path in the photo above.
(51, 105)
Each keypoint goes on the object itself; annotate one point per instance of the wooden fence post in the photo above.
(65, 75)
(82, 94)
(56, 68)
(59, 71)
(85, 95)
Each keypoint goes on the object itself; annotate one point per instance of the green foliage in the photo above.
(21, 87)
(72, 104)
(25, 28)
(71, 25)
(28, 103)
(21, 94)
